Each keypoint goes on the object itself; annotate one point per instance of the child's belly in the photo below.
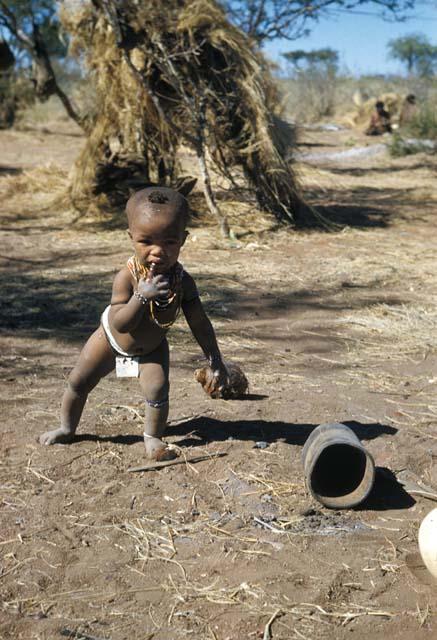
(140, 341)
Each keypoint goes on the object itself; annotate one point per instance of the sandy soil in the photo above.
(329, 326)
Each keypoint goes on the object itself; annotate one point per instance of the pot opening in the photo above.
(339, 471)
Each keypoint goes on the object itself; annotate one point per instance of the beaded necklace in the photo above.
(140, 271)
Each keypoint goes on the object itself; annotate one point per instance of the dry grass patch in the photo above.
(412, 329)
(48, 179)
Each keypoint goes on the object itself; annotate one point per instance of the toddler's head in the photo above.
(157, 218)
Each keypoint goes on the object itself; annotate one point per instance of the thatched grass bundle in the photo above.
(361, 117)
(177, 75)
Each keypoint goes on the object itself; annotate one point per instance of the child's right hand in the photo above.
(154, 287)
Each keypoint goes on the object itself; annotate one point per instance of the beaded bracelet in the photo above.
(141, 298)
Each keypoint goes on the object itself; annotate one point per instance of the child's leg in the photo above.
(95, 361)
(154, 384)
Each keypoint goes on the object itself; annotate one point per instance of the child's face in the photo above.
(158, 239)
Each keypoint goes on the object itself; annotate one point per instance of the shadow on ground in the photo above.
(360, 207)
(387, 493)
(204, 430)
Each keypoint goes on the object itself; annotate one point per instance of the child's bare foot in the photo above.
(57, 436)
(157, 450)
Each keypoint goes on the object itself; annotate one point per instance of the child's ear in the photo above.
(185, 236)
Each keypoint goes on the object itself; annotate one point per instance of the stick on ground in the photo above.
(267, 629)
(154, 466)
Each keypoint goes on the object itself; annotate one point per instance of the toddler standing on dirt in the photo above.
(147, 295)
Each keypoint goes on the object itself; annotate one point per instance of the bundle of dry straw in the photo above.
(183, 75)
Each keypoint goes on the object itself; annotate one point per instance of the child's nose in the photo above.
(158, 251)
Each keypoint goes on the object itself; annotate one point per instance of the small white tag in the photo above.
(127, 367)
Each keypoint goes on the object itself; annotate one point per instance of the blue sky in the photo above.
(361, 40)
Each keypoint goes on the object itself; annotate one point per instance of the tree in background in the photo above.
(33, 31)
(415, 52)
(323, 59)
(265, 20)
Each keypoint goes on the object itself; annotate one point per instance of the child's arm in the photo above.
(204, 334)
(130, 305)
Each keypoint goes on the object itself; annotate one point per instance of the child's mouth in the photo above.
(157, 267)
(162, 266)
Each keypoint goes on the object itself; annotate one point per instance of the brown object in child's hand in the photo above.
(237, 387)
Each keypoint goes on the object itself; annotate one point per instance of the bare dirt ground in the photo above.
(329, 326)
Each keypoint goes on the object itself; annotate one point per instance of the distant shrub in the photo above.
(311, 95)
(424, 123)
(400, 146)
(15, 93)
(313, 79)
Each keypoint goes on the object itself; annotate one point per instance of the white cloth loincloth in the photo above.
(112, 341)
